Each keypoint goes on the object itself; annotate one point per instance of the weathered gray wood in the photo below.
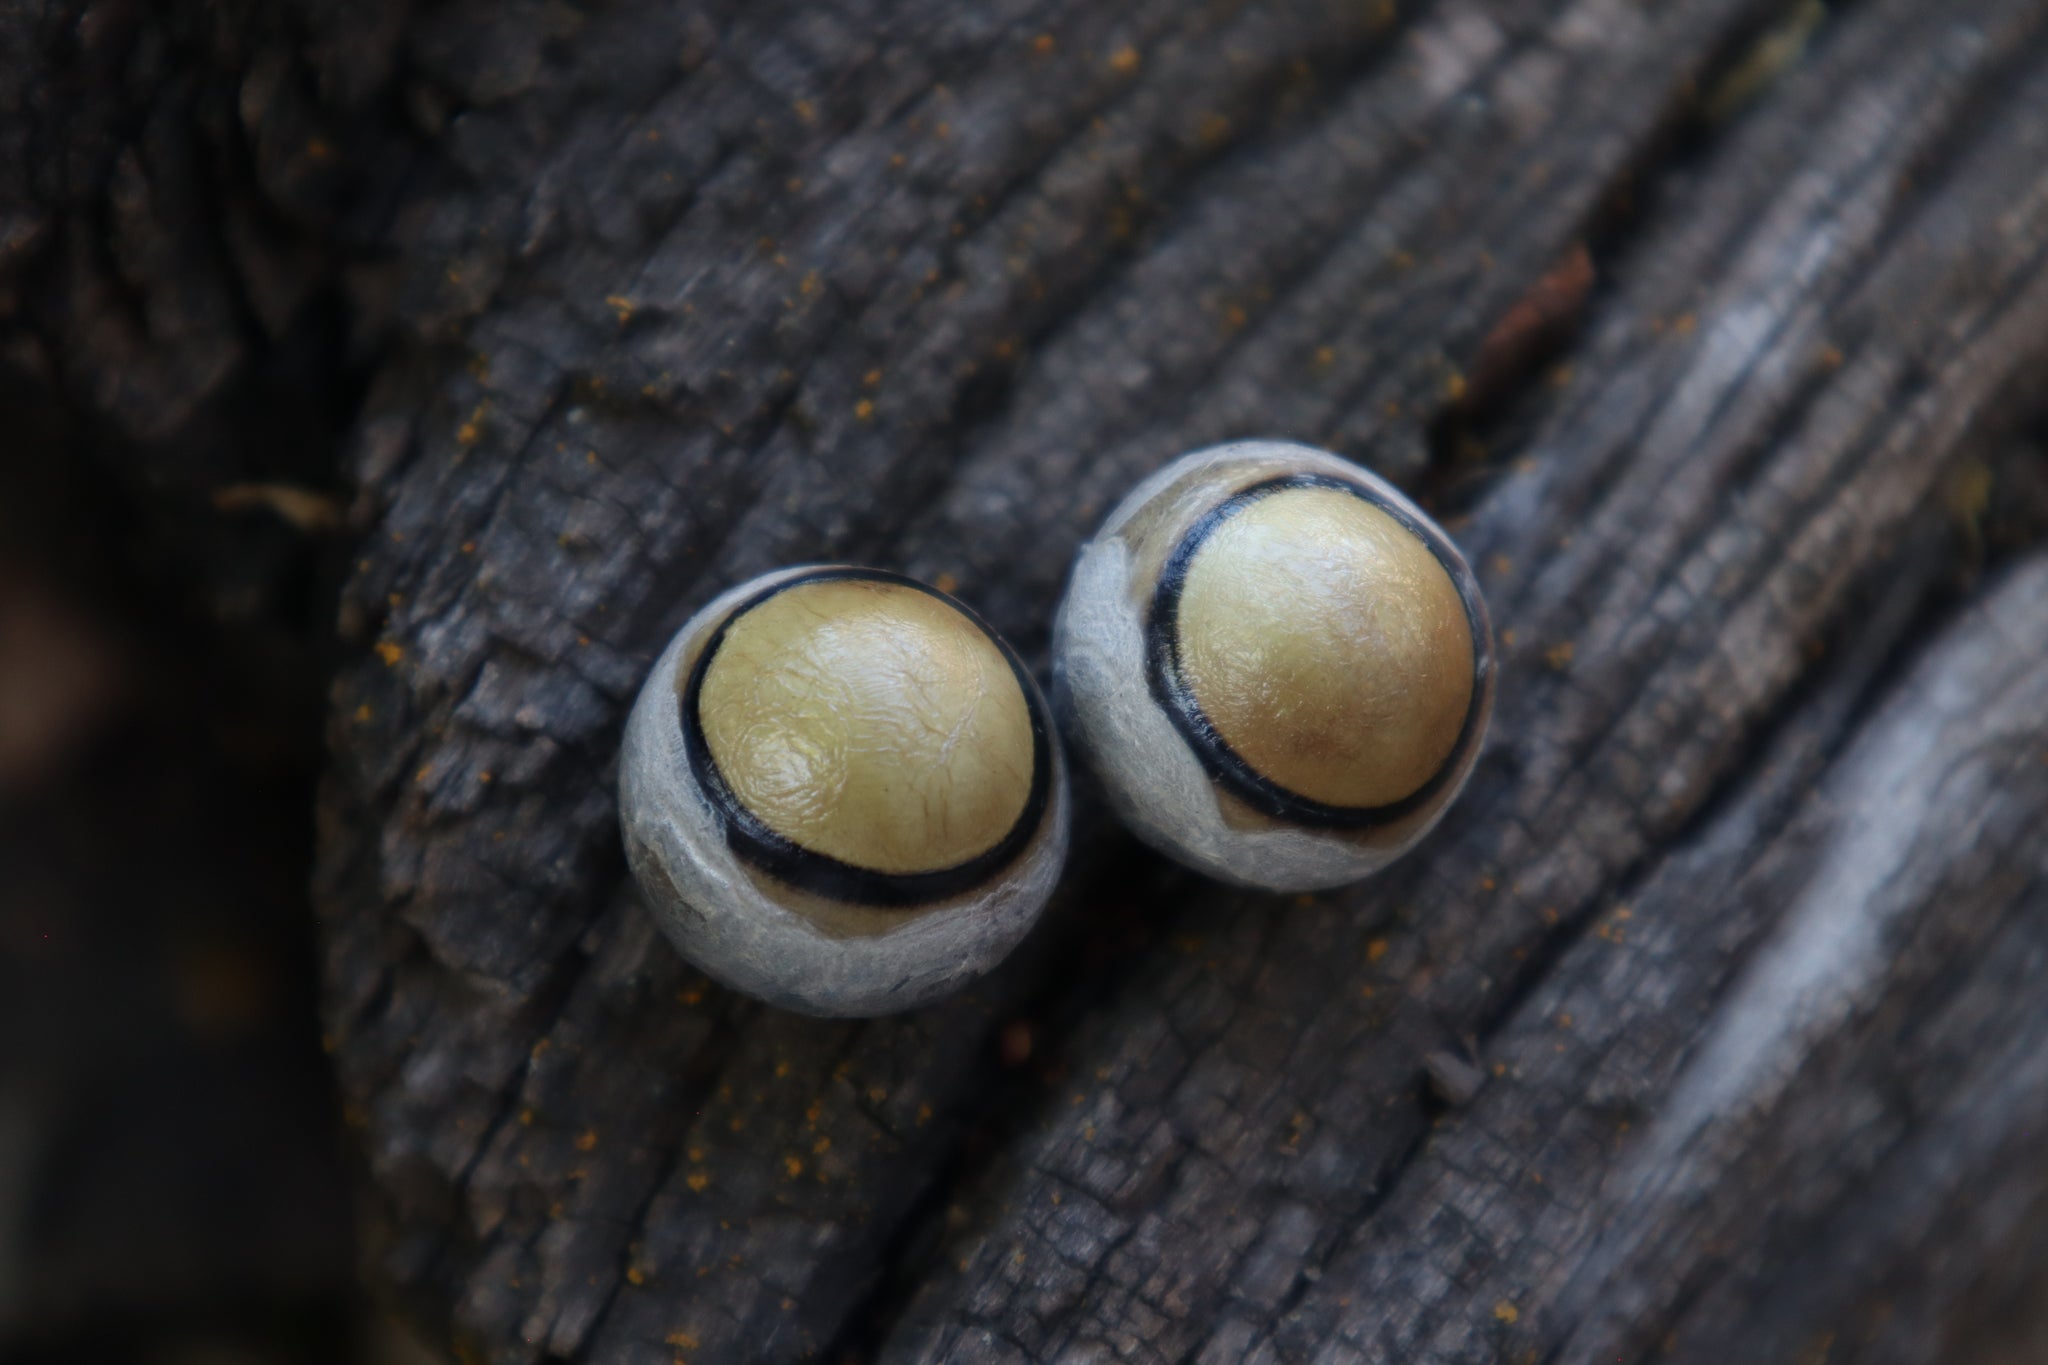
(1703, 516)
(1699, 1026)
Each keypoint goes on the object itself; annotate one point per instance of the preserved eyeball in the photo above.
(1280, 667)
(841, 792)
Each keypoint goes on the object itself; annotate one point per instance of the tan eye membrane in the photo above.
(864, 739)
(1319, 651)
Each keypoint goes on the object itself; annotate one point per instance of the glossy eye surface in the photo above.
(1279, 666)
(840, 792)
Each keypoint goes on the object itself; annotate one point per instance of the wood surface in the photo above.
(1708, 1026)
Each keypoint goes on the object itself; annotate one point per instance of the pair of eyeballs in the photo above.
(842, 792)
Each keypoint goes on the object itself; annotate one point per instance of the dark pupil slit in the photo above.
(1224, 764)
(819, 874)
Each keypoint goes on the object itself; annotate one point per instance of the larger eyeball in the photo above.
(840, 791)
(1280, 668)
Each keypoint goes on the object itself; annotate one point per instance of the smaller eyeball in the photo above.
(1279, 667)
(840, 791)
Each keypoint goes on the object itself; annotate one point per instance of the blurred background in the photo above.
(172, 1185)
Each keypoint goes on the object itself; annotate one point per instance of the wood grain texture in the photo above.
(1704, 1027)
